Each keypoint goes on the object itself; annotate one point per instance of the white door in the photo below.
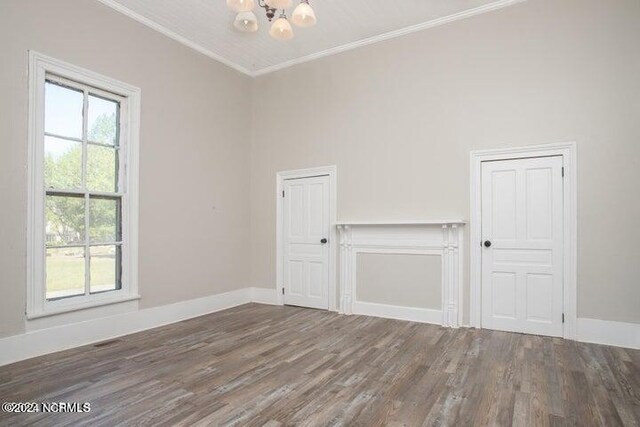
(522, 227)
(306, 247)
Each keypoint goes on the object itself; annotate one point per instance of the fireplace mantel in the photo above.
(411, 222)
(421, 237)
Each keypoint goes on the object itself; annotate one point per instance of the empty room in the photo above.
(319, 213)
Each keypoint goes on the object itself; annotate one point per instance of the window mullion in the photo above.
(107, 243)
(87, 257)
(100, 144)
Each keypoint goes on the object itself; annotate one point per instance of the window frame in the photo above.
(42, 68)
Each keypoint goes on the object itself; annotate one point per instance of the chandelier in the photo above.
(247, 22)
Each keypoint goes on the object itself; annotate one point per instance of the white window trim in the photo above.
(37, 304)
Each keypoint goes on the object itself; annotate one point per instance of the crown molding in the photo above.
(177, 37)
(390, 35)
(499, 4)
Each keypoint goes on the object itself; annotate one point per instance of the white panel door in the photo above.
(522, 234)
(306, 248)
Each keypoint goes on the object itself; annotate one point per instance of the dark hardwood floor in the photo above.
(262, 365)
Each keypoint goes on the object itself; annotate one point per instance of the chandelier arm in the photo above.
(269, 11)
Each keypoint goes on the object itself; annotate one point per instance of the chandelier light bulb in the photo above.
(281, 29)
(247, 22)
(303, 15)
(241, 5)
(279, 4)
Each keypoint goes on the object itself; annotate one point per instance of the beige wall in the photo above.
(194, 149)
(398, 279)
(399, 118)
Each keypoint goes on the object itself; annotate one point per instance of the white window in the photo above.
(83, 151)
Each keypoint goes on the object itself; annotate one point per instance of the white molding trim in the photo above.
(264, 296)
(49, 340)
(406, 222)
(568, 151)
(44, 341)
(172, 35)
(499, 4)
(444, 239)
(332, 172)
(389, 35)
(606, 332)
(411, 314)
(39, 66)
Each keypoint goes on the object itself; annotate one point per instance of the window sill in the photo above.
(85, 305)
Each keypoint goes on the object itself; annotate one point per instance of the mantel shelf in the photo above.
(401, 222)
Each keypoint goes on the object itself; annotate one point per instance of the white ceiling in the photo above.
(206, 25)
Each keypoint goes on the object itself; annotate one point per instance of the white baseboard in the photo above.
(607, 332)
(421, 315)
(264, 296)
(44, 341)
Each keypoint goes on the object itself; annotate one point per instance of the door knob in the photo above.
(323, 241)
(487, 243)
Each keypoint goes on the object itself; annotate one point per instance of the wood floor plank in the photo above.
(259, 365)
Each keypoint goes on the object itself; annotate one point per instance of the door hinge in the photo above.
(563, 171)
(283, 191)
(562, 317)
(282, 291)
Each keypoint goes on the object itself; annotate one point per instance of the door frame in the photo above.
(281, 177)
(568, 152)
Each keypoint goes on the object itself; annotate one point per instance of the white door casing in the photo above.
(522, 269)
(305, 243)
